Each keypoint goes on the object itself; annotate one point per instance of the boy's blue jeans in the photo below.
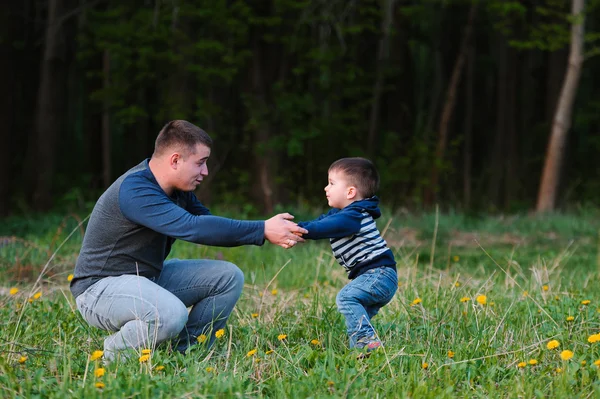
(143, 312)
(362, 298)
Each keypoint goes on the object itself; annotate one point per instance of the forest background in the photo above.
(454, 100)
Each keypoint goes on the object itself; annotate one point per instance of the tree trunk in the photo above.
(468, 146)
(382, 60)
(49, 114)
(431, 193)
(497, 146)
(510, 166)
(9, 27)
(264, 156)
(562, 118)
(106, 142)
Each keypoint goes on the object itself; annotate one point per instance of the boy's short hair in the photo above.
(360, 173)
(182, 135)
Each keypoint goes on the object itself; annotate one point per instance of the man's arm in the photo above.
(147, 205)
(194, 206)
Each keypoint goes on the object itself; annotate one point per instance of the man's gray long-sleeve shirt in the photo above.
(134, 224)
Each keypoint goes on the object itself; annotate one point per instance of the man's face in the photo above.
(337, 190)
(192, 168)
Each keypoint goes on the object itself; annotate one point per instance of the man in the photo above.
(122, 282)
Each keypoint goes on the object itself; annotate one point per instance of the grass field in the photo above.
(479, 301)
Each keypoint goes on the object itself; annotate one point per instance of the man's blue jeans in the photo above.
(362, 298)
(144, 312)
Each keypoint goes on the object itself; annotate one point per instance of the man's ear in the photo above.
(351, 192)
(174, 160)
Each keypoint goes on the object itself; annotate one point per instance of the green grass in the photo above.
(441, 259)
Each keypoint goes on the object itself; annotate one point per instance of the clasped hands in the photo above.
(280, 230)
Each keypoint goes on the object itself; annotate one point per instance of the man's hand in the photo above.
(280, 230)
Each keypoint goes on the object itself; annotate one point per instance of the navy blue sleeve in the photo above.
(194, 206)
(146, 204)
(335, 224)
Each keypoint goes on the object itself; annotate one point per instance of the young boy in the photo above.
(357, 246)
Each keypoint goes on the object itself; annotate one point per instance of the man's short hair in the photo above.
(360, 173)
(181, 135)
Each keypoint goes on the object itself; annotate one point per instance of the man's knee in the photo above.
(171, 320)
(234, 278)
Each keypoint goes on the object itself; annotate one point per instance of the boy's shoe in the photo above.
(367, 345)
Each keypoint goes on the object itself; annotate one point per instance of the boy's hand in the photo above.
(280, 230)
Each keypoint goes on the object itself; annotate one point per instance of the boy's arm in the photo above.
(335, 224)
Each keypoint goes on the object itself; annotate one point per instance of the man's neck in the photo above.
(157, 170)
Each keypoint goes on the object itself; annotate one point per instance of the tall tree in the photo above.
(562, 118)
(50, 108)
(382, 62)
(10, 20)
(451, 93)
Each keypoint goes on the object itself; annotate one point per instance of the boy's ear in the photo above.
(351, 192)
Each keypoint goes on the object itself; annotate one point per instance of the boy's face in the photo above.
(338, 192)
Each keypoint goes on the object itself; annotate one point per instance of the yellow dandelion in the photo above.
(594, 338)
(144, 358)
(254, 315)
(545, 288)
(553, 344)
(457, 284)
(269, 352)
(533, 362)
(521, 365)
(146, 351)
(22, 359)
(13, 291)
(96, 355)
(37, 295)
(69, 277)
(201, 338)
(556, 298)
(425, 365)
(330, 383)
(583, 362)
(315, 342)
(456, 258)
(399, 284)
(566, 355)
(274, 292)
(570, 318)
(525, 294)
(585, 302)
(465, 299)
(256, 359)
(159, 368)
(99, 385)
(260, 294)
(210, 369)
(597, 363)
(99, 372)
(481, 299)
(220, 333)
(281, 337)
(558, 370)
(450, 354)
(251, 353)
(416, 301)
